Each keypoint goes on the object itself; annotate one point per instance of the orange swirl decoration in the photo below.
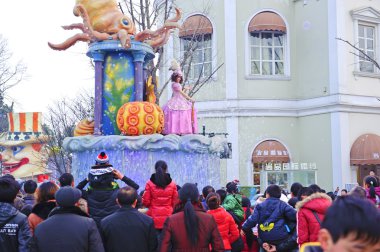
(133, 120)
(149, 119)
(148, 130)
(120, 121)
(121, 111)
(132, 131)
(134, 109)
(84, 127)
(161, 117)
(140, 118)
(148, 108)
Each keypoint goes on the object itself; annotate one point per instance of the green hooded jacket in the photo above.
(232, 203)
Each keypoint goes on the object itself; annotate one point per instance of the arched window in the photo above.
(270, 155)
(267, 39)
(365, 154)
(196, 46)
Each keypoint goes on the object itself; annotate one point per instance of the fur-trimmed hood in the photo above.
(43, 209)
(318, 202)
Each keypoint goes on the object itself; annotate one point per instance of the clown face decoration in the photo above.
(21, 152)
(24, 160)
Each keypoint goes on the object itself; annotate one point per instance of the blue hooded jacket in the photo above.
(273, 217)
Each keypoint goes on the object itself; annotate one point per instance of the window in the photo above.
(199, 57)
(196, 46)
(267, 53)
(366, 33)
(366, 38)
(267, 37)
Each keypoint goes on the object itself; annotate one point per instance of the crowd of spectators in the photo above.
(98, 215)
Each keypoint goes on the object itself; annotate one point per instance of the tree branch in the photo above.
(366, 56)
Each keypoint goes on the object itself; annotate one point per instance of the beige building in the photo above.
(298, 104)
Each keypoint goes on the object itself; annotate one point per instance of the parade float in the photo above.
(127, 123)
(22, 152)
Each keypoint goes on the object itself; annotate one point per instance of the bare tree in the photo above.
(60, 122)
(10, 75)
(145, 16)
(360, 53)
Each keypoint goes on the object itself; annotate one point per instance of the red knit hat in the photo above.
(102, 158)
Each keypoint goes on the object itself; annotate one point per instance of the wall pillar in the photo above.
(232, 122)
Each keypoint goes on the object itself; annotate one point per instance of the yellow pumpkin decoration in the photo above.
(140, 118)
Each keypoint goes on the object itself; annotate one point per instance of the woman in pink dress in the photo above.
(180, 115)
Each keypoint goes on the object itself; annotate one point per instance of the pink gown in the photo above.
(178, 114)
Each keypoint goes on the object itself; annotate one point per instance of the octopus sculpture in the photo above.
(103, 20)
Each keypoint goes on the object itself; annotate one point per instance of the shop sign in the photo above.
(304, 166)
(313, 166)
(290, 166)
(277, 167)
(286, 166)
(269, 167)
(294, 166)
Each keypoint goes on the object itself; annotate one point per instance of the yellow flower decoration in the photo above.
(129, 83)
(116, 67)
(108, 86)
(112, 108)
(120, 84)
(110, 72)
(126, 65)
(125, 98)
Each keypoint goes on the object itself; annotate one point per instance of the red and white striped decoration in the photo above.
(28, 123)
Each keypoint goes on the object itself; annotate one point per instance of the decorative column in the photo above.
(116, 80)
(98, 59)
(138, 60)
(145, 78)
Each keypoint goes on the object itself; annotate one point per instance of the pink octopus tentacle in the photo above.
(70, 42)
(79, 26)
(148, 34)
(160, 36)
(177, 17)
(125, 38)
(81, 10)
(160, 41)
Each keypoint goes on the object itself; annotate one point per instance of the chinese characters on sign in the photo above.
(271, 153)
(290, 166)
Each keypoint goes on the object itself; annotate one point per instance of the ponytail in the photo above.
(161, 178)
(189, 196)
(371, 182)
(372, 192)
(191, 222)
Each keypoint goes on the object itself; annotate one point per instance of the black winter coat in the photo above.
(67, 229)
(15, 232)
(29, 202)
(102, 202)
(128, 230)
